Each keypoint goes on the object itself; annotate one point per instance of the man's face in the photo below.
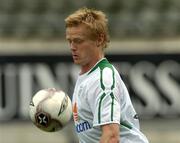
(81, 45)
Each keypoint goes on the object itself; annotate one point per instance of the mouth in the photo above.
(75, 56)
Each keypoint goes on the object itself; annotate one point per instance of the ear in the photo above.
(100, 40)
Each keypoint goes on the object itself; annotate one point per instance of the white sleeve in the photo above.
(106, 100)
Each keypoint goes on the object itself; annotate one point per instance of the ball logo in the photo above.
(42, 119)
(63, 105)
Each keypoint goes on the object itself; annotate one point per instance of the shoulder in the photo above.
(106, 73)
(103, 66)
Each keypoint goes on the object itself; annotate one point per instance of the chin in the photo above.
(77, 62)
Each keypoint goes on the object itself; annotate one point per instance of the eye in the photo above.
(75, 41)
(69, 41)
(78, 41)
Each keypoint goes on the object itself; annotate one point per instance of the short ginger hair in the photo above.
(95, 20)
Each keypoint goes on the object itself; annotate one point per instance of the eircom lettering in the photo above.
(81, 127)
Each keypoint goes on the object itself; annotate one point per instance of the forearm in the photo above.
(110, 133)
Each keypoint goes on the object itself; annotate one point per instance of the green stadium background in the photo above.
(145, 48)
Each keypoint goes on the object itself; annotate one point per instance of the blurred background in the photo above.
(145, 48)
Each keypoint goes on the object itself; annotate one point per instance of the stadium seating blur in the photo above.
(127, 18)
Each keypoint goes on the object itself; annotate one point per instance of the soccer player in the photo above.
(102, 109)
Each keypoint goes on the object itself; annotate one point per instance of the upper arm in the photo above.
(110, 133)
(106, 105)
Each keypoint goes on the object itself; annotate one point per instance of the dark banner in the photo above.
(153, 81)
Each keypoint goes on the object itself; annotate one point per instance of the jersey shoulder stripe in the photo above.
(105, 68)
(102, 65)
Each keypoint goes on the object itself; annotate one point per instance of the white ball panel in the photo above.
(39, 96)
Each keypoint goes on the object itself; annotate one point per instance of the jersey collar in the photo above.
(103, 60)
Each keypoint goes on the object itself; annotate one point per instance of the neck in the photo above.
(87, 67)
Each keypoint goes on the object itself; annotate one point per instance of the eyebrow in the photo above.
(79, 37)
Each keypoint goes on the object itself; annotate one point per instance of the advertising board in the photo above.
(153, 81)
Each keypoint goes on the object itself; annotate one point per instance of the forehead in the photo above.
(77, 31)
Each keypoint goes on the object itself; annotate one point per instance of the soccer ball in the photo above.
(50, 109)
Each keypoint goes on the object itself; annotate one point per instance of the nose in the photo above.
(72, 46)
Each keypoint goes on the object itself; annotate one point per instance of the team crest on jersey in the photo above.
(75, 112)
